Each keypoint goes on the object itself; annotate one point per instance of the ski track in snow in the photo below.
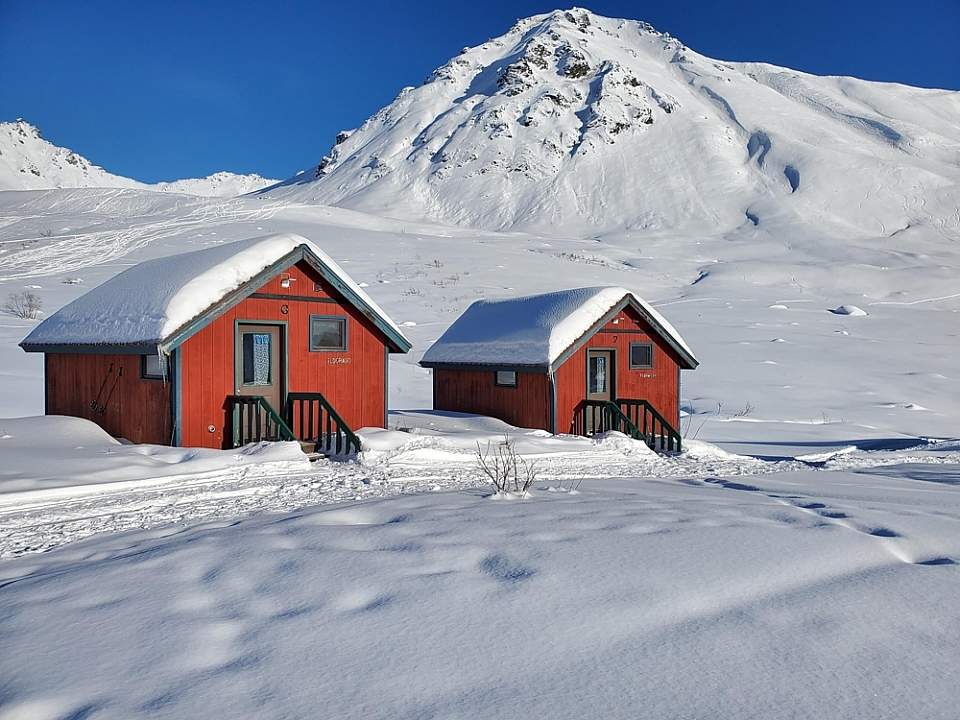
(59, 253)
(35, 526)
(58, 517)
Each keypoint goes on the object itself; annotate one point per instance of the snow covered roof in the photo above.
(162, 302)
(537, 330)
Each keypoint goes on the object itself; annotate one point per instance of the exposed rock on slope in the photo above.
(586, 123)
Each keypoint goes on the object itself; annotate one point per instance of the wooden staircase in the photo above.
(636, 418)
(308, 418)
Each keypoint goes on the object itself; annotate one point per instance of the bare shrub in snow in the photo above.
(745, 411)
(26, 305)
(46, 233)
(508, 472)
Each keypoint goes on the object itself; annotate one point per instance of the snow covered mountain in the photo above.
(29, 162)
(584, 123)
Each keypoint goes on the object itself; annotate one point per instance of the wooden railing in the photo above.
(254, 420)
(315, 420)
(636, 418)
(654, 427)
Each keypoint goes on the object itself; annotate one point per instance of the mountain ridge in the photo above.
(30, 162)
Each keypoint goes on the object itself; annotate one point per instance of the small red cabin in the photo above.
(262, 339)
(576, 361)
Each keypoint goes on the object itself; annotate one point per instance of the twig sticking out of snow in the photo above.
(508, 472)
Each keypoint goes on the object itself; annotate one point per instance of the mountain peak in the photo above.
(577, 121)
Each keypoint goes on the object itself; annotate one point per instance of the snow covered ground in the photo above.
(786, 595)
(64, 479)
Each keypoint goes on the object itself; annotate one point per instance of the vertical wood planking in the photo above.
(137, 409)
(658, 385)
(474, 391)
(354, 386)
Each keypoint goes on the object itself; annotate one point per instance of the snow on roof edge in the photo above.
(122, 312)
(536, 330)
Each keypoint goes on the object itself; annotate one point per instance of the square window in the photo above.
(641, 356)
(153, 367)
(328, 333)
(505, 378)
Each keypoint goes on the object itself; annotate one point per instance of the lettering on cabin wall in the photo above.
(339, 360)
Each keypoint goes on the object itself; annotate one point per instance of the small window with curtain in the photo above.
(257, 358)
(641, 356)
(505, 378)
(328, 333)
(153, 367)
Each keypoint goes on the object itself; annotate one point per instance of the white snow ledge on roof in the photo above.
(147, 303)
(536, 329)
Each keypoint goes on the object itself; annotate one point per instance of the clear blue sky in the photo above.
(162, 90)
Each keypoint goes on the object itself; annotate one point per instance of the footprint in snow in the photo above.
(733, 485)
(937, 561)
(504, 570)
(882, 532)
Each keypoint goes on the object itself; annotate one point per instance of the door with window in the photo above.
(600, 386)
(259, 362)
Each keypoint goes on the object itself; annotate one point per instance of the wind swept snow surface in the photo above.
(800, 595)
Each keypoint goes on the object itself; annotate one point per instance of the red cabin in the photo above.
(577, 361)
(262, 339)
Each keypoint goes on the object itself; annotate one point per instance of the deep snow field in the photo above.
(809, 594)
(812, 574)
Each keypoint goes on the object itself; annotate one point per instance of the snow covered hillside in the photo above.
(775, 361)
(589, 124)
(29, 162)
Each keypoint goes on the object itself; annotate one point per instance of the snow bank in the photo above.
(150, 301)
(535, 329)
(55, 453)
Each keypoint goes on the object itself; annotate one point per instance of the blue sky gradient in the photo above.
(164, 90)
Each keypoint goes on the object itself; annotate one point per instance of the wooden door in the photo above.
(600, 375)
(600, 386)
(259, 363)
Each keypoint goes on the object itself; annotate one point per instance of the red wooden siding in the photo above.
(108, 390)
(659, 385)
(353, 381)
(526, 405)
